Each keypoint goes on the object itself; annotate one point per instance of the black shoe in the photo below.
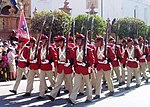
(50, 88)
(70, 102)
(66, 91)
(26, 95)
(88, 101)
(94, 91)
(104, 83)
(97, 97)
(46, 91)
(146, 80)
(40, 98)
(58, 94)
(13, 91)
(80, 94)
(137, 85)
(123, 82)
(51, 98)
(127, 88)
(111, 93)
(120, 84)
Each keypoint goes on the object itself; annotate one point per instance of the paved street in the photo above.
(135, 97)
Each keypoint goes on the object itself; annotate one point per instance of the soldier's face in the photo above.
(43, 41)
(123, 43)
(32, 44)
(79, 42)
(130, 44)
(98, 44)
(61, 43)
(140, 42)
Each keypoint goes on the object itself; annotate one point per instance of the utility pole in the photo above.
(102, 8)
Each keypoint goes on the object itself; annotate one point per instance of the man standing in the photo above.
(144, 51)
(82, 69)
(22, 64)
(46, 57)
(34, 66)
(116, 63)
(123, 64)
(131, 57)
(64, 68)
(103, 59)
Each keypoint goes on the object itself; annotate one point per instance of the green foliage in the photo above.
(57, 28)
(148, 32)
(130, 27)
(99, 25)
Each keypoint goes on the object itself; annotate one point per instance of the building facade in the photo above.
(105, 8)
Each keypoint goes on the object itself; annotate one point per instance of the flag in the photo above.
(23, 32)
(14, 3)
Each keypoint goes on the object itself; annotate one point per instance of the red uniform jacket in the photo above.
(70, 57)
(89, 59)
(51, 57)
(117, 51)
(148, 54)
(22, 60)
(32, 66)
(145, 52)
(123, 48)
(110, 56)
(132, 62)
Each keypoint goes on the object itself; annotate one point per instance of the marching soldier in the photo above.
(148, 56)
(131, 57)
(82, 69)
(64, 67)
(116, 62)
(123, 65)
(34, 66)
(103, 58)
(22, 64)
(142, 61)
(45, 65)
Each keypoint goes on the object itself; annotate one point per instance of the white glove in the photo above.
(45, 62)
(105, 61)
(144, 56)
(59, 62)
(66, 64)
(34, 61)
(83, 64)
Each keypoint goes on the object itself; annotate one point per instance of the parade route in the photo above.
(135, 97)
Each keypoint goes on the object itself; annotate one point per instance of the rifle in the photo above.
(144, 40)
(82, 28)
(67, 38)
(85, 40)
(92, 26)
(50, 34)
(118, 27)
(39, 38)
(136, 35)
(107, 31)
(74, 23)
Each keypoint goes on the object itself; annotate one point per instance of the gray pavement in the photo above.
(135, 97)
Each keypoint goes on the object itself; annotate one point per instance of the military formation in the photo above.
(79, 64)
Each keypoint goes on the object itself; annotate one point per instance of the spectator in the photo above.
(11, 63)
(5, 65)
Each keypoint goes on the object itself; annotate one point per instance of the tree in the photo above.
(61, 18)
(132, 27)
(99, 24)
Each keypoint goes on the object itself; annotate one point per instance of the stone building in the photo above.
(9, 16)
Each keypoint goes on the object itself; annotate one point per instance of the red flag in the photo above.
(23, 32)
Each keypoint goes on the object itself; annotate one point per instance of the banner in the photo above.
(23, 32)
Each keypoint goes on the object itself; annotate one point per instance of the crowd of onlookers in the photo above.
(8, 60)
